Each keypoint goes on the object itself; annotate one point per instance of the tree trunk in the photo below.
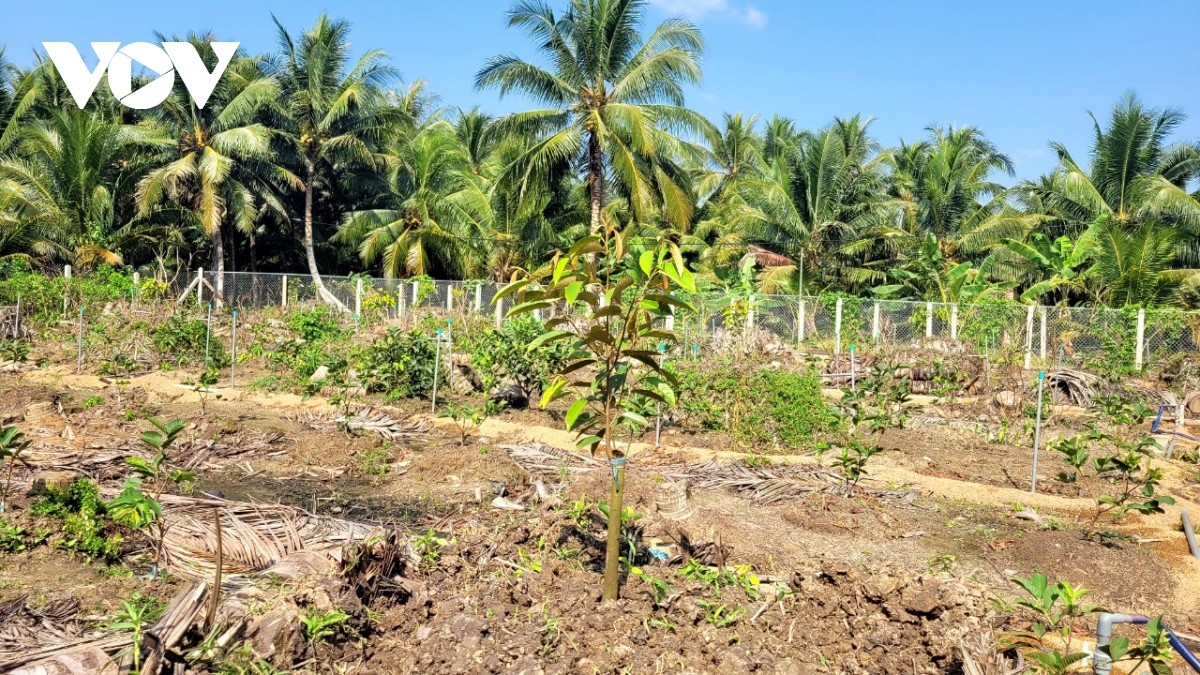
(595, 179)
(612, 554)
(253, 251)
(309, 251)
(218, 261)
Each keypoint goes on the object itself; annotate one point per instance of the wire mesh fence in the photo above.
(1006, 332)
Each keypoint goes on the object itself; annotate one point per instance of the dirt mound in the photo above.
(483, 615)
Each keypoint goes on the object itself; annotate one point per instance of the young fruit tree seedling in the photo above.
(133, 507)
(618, 291)
(12, 445)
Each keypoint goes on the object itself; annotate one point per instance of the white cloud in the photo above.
(699, 10)
(755, 17)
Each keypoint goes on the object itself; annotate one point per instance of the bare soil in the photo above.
(876, 585)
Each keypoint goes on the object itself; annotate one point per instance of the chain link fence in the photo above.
(1126, 339)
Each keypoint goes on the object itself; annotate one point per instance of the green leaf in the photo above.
(687, 281)
(574, 411)
(526, 307)
(578, 248)
(633, 417)
(587, 441)
(646, 262)
(552, 392)
(511, 288)
(548, 338)
(559, 268)
(572, 292)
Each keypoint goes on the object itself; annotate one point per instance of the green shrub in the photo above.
(399, 364)
(316, 324)
(503, 354)
(757, 407)
(183, 339)
(85, 527)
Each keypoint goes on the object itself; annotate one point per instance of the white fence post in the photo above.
(1042, 351)
(954, 321)
(837, 328)
(283, 293)
(1138, 358)
(929, 319)
(416, 286)
(200, 287)
(669, 322)
(499, 312)
(66, 275)
(449, 295)
(1028, 336)
(478, 298)
(358, 298)
(875, 322)
(800, 321)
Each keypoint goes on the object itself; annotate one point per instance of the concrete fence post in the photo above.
(449, 296)
(1138, 355)
(929, 319)
(669, 322)
(837, 328)
(416, 288)
(1028, 336)
(1042, 348)
(200, 287)
(499, 312)
(875, 322)
(283, 293)
(800, 322)
(478, 298)
(358, 298)
(137, 279)
(954, 321)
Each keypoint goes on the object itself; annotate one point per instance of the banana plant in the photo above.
(1060, 264)
(929, 276)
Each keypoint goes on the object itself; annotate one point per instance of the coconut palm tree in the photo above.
(945, 182)
(612, 101)
(817, 195)
(200, 173)
(1135, 181)
(63, 185)
(436, 213)
(334, 111)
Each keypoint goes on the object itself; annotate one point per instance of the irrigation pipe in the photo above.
(1190, 534)
(1102, 663)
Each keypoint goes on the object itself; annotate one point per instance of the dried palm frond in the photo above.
(1072, 387)
(253, 536)
(408, 428)
(763, 485)
(29, 634)
(544, 460)
(980, 657)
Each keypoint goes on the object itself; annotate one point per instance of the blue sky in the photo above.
(1024, 71)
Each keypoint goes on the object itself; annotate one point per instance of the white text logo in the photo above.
(165, 60)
